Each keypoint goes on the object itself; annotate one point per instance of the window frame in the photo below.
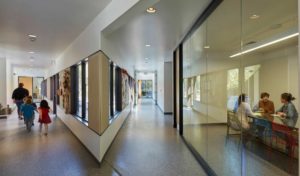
(75, 103)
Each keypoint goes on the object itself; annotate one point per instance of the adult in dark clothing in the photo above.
(18, 95)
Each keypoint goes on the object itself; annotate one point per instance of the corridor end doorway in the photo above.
(146, 86)
(145, 89)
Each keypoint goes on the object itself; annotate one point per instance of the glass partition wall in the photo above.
(239, 74)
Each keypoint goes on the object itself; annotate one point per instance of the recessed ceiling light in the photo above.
(254, 16)
(207, 47)
(148, 45)
(31, 52)
(151, 10)
(31, 35)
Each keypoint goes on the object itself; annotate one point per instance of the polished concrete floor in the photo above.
(146, 145)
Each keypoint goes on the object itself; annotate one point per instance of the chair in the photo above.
(233, 123)
(267, 132)
(283, 131)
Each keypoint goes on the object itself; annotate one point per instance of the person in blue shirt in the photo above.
(28, 113)
(34, 105)
(288, 110)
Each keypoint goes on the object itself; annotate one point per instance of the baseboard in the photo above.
(168, 113)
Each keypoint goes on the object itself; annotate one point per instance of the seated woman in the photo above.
(265, 105)
(244, 111)
(288, 110)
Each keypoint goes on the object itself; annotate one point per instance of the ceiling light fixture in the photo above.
(31, 52)
(207, 47)
(151, 10)
(254, 16)
(148, 45)
(32, 37)
(265, 45)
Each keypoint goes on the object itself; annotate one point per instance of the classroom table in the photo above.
(269, 121)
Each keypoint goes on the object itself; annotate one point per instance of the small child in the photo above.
(35, 107)
(28, 112)
(44, 117)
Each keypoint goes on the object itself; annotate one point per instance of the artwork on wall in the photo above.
(125, 89)
(131, 89)
(71, 89)
(64, 91)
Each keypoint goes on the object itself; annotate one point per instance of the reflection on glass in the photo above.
(236, 68)
(270, 67)
(79, 90)
(147, 88)
(197, 89)
(36, 92)
(87, 90)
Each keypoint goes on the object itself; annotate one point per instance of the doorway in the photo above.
(145, 89)
(33, 85)
(146, 85)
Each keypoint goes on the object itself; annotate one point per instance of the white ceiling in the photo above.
(225, 33)
(162, 30)
(56, 23)
(222, 30)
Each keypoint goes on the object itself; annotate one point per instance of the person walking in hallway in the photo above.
(44, 117)
(18, 95)
(28, 112)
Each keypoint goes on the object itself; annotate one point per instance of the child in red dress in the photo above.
(44, 117)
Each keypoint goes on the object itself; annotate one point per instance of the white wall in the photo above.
(89, 41)
(165, 86)
(160, 86)
(9, 82)
(3, 83)
(168, 87)
(279, 73)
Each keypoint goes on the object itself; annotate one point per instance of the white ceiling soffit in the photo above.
(56, 23)
(126, 37)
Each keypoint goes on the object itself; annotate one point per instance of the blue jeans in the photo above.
(28, 122)
(19, 103)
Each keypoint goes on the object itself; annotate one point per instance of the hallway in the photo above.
(146, 145)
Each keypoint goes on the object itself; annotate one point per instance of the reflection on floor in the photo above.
(60, 153)
(146, 145)
(224, 156)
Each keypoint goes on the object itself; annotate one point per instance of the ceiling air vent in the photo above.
(250, 43)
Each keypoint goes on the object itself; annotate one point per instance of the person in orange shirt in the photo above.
(267, 108)
(265, 105)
